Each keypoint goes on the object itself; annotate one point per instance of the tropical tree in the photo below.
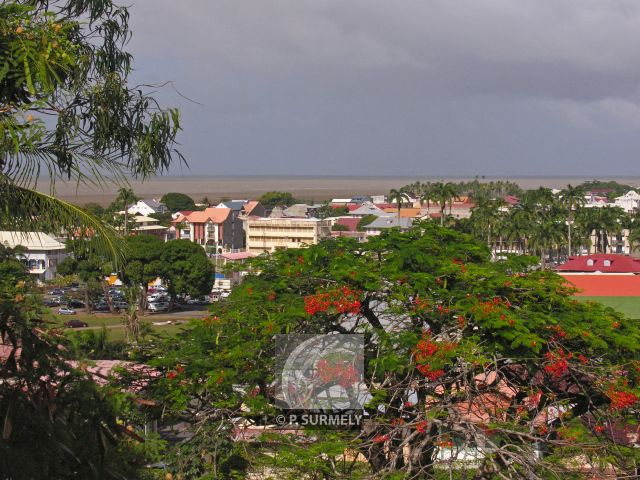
(485, 218)
(518, 227)
(463, 357)
(634, 239)
(90, 266)
(571, 198)
(444, 193)
(427, 194)
(601, 223)
(276, 199)
(186, 268)
(57, 422)
(66, 111)
(125, 198)
(63, 62)
(400, 197)
(176, 201)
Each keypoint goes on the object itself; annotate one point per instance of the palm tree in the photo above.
(601, 223)
(400, 197)
(545, 236)
(634, 239)
(125, 198)
(427, 195)
(444, 193)
(485, 217)
(571, 198)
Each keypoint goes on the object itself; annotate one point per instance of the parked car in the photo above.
(157, 297)
(158, 306)
(55, 291)
(198, 301)
(75, 304)
(121, 305)
(50, 303)
(66, 311)
(101, 307)
(75, 324)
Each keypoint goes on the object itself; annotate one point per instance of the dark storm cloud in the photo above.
(399, 87)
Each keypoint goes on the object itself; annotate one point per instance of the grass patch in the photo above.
(629, 306)
(118, 335)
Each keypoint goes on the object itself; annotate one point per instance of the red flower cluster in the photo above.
(445, 444)
(174, 373)
(558, 332)
(380, 438)
(432, 375)
(340, 300)
(620, 399)
(427, 348)
(344, 375)
(421, 426)
(558, 362)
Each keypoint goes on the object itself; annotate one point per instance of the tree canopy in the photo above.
(461, 355)
(276, 199)
(178, 201)
(66, 110)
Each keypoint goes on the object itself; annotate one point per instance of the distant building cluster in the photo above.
(246, 227)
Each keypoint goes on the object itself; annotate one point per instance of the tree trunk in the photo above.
(107, 297)
(569, 238)
(87, 304)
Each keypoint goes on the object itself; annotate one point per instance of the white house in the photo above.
(629, 202)
(147, 207)
(42, 255)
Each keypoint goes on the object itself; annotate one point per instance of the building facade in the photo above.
(269, 234)
(42, 253)
(147, 207)
(221, 228)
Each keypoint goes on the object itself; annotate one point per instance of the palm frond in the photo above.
(26, 210)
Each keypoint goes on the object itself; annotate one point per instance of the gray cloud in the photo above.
(405, 87)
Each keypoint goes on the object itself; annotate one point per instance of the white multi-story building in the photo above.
(42, 252)
(269, 234)
(629, 202)
(147, 207)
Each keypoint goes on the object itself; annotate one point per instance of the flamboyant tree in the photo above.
(481, 369)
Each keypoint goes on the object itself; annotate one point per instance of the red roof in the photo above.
(601, 262)
(249, 206)
(349, 222)
(215, 214)
(511, 200)
(382, 206)
(605, 285)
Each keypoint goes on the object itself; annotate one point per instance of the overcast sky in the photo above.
(398, 87)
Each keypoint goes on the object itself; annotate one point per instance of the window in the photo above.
(590, 262)
(607, 263)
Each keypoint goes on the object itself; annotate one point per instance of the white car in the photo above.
(158, 306)
(66, 311)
